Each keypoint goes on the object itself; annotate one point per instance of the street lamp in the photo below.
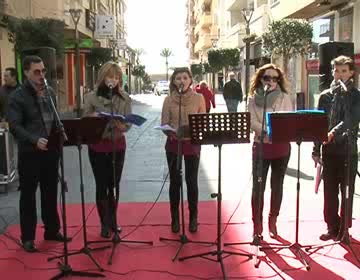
(129, 53)
(247, 14)
(76, 15)
(214, 42)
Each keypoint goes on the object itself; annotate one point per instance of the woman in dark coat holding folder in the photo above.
(108, 90)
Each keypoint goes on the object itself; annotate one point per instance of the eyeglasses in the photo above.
(38, 72)
(268, 78)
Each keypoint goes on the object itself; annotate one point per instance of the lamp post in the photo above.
(76, 15)
(214, 42)
(247, 14)
(129, 53)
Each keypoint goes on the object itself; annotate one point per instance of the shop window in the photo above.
(346, 25)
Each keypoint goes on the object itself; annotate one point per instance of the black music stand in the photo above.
(88, 130)
(301, 126)
(218, 129)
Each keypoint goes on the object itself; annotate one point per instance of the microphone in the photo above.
(181, 88)
(110, 84)
(266, 88)
(343, 86)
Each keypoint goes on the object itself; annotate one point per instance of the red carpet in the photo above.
(133, 261)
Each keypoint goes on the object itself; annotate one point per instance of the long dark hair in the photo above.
(256, 80)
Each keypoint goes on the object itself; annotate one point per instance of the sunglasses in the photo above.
(268, 78)
(38, 72)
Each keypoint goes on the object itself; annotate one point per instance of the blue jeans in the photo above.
(232, 104)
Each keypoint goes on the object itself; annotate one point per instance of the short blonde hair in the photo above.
(110, 68)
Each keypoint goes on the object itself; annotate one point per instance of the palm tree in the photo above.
(166, 53)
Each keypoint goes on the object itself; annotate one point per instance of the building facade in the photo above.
(336, 21)
(66, 68)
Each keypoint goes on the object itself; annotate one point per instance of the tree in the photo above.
(197, 71)
(37, 32)
(138, 52)
(166, 53)
(139, 73)
(287, 38)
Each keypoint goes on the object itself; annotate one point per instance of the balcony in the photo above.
(204, 42)
(205, 20)
(236, 5)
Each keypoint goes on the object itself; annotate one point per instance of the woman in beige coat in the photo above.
(100, 154)
(191, 103)
(274, 155)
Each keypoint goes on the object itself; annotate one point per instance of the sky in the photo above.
(154, 25)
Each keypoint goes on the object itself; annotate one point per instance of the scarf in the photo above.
(270, 98)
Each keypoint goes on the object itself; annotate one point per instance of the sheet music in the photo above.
(165, 127)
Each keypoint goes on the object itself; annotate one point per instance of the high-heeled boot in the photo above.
(102, 209)
(272, 227)
(257, 235)
(193, 221)
(175, 222)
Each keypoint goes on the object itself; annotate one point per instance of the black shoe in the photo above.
(257, 239)
(29, 246)
(57, 237)
(329, 235)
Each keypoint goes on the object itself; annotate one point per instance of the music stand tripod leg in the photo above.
(219, 251)
(65, 268)
(295, 247)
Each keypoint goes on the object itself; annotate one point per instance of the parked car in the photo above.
(162, 87)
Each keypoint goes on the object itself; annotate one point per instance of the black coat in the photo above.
(343, 111)
(25, 119)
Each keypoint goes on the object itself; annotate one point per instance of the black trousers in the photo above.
(191, 178)
(102, 167)
(38, 168)
(278, 169)
(334, 173)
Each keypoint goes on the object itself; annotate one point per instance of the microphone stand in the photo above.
(259, 157)
(115, 197)
(65, 268)
(183, 239)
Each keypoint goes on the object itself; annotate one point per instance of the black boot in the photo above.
(272, 226)
(193, 222)
(102, 207)
(113, 225)
(175, 223)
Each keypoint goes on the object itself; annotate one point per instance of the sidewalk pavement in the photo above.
(145, 172)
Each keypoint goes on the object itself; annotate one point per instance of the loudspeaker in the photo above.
(327, 52)
(48, 56)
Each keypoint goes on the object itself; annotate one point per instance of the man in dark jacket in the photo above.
(232, 93)
(30, 118)
(10, 84)
(342, 104)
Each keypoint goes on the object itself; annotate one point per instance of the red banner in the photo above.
(357, 59)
